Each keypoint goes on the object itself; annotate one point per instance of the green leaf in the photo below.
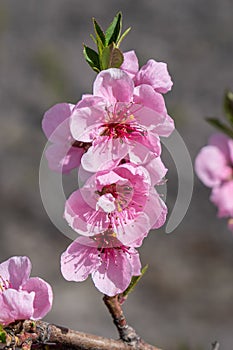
(220, 126)
(99, 31)
(92, 58)
(100, 36)
(113, 32)
(123, 36)
(228, 106)
(134, 281)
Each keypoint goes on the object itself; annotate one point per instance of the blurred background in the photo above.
(184, 301)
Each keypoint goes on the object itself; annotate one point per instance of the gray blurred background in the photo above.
(185, 300)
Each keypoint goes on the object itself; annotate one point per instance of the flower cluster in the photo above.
(22, 297)
(214, 166)
(113, 135)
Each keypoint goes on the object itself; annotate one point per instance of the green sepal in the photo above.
(111, 57)
(228, 106)
(3, 335)
(220, 126)
(134, 282)
(100, 36)
(123, 36)
(92, 58)
(113, 32)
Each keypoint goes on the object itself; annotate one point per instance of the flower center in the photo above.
(122, 130)
(121, 123)
(107, 243)
(122, 194)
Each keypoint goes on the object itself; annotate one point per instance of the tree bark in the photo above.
(42, 335)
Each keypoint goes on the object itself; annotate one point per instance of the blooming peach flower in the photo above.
(64, 154)
(116, 118)
(110, 263)
(22, 297)
(121, 199)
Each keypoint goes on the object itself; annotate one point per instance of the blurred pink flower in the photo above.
(64, 154)
(110, 263)
(22, 297)
(116, 118)
(214, 166)
(121, 199)
(214, 163)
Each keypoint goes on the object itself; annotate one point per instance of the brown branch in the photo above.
(127, 334)
(41, 335)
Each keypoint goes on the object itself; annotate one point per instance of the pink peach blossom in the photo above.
(110, 263)
(122, 199)
(214, 166)
(117, 117)
(64, 154)
(214, 162)
(22, 297)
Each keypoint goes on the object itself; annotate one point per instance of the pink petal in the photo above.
(135, 262)
(156, 210)
(106, 203)
(15, 305)
(166, 127)
(156, 169)
(211, 166)
(155, 74)
(43, 296)
(91, 101)
(114, 274)
(104, 178)
(134, 230)
(222, 198)
(145, 95)
(79, 260)
(16, 271)
(154, 112)
(139, 155)
(130, 64)
(83, 218)
(63, 158)
(104, 154)
(114, 85)
(55, 122)
(150, 141)
(85, 121)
